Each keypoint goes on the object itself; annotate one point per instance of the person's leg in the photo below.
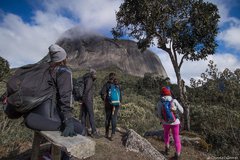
(108, 114)
(88, 126)
(176, 137)
(83, 115)
(89, 107)
(166, 137)
(114, 119)
(38, 122)
(114, 111)
(83, 118)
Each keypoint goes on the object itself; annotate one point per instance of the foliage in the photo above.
(139, 115)
(190, 25)
(224, 87)
(4, 68)
(149, 86)
(220, 127)
(216, 110)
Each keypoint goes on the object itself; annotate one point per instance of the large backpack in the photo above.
(28, 88)
(168, 115)
(114, 95)
(78, 88)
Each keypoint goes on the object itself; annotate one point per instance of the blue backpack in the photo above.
(167, 114)
(114, 95)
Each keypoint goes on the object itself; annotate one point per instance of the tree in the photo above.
(224, 87)
(184, 29)
(4, 68)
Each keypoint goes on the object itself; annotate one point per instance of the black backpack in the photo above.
(78, 88)
(28, 88)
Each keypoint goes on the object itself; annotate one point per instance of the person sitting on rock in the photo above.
(55, 113)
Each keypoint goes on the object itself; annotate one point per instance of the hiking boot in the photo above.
(167, 149)
(96, 135)
(176, 157)
(112, 137)
(84, 133)
(106, 134)
(89, 131)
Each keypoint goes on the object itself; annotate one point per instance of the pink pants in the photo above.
(175, 133)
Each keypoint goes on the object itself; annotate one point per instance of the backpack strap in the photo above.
(177, 110)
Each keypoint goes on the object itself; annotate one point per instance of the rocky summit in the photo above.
(91, 50)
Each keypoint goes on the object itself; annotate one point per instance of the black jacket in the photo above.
(88, 89)
(64, 87)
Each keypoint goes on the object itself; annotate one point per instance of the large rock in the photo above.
(136, 143)
(78, 147)
(90, 50)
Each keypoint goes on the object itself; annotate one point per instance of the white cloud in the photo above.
(23, 43)
(231, 37)
(194, 69)
(91, 14)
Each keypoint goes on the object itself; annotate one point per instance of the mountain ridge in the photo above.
(99, 52)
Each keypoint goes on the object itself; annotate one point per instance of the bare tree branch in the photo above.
(181, 62)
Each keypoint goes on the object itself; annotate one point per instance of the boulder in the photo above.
(136, 143)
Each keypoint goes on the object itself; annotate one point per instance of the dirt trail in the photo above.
(115, 150)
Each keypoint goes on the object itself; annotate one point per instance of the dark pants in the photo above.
(87, 110)
(46, 118)
(111, 117)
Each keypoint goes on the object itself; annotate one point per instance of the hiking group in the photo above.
(42, 94)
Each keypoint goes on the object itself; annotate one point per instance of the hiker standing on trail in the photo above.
(111, 95)
(168, 110)
(87, 103)
(56, 112)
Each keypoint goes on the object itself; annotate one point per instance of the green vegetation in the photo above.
(4, 68)
(215, 114)
(216, 109)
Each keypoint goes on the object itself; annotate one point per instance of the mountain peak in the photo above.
(92, 50)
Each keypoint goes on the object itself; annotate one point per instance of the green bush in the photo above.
(220, 127)
(215, 111)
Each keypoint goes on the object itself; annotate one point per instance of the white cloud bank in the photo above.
(23, 42)
(231, 37)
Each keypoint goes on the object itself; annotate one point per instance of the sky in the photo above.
(29, 27)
